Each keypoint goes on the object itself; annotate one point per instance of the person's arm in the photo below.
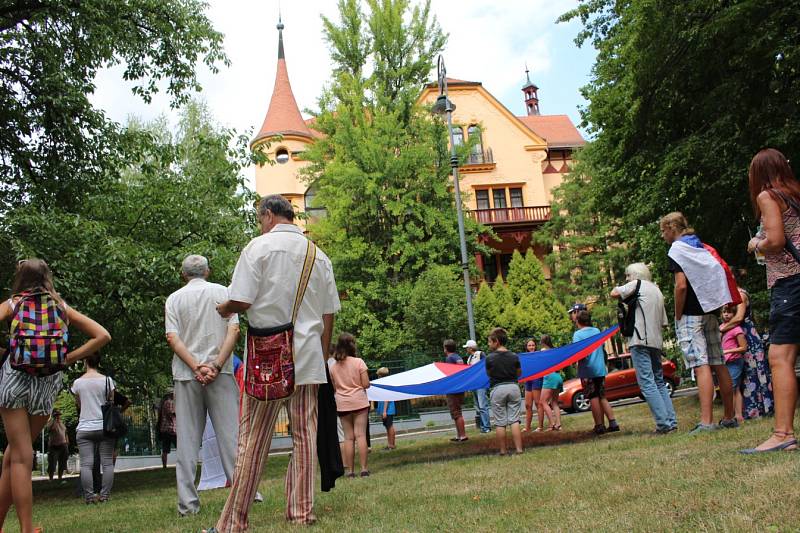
(385, 409)
(230, 307)
(180, 349)
(742, 345)
(737, 319)
(327, 334)
(364, 375)
(519, 368)
(98, 335)
(225, 351)
(772, 222)
(681, 288)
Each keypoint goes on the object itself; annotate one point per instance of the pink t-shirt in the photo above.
(346, 376)
(729, 340)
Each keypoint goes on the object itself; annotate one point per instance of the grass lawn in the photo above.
(629, 481)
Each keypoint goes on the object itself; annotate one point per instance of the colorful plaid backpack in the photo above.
(37, 338)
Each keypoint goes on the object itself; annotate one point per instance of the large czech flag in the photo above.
(444, 378)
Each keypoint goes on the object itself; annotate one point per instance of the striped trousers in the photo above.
(256, 426)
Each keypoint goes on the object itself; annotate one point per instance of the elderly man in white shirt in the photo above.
(646, 343)
(202, 370)
(264, 285)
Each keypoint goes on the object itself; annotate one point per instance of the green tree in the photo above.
(56, 148)
(486, 308)
(118, 258)
(436, 308)
(680, 99)
(382, 168)
(589, 247)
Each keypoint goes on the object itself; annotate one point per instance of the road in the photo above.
(691, 391)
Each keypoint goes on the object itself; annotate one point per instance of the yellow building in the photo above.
(507, 181)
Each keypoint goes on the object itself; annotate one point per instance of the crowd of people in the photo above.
(281, 267)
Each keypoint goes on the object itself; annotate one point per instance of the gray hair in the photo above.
(277, 205)
(194, 266)
(638, 271)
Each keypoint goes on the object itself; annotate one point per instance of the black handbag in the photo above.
(113, 423)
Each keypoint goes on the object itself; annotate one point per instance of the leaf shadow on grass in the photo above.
(436, 451)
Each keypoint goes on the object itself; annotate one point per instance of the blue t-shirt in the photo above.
(454, 358)
(593, 366)
(389, 410)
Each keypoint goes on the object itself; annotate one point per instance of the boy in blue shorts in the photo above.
(387, 411)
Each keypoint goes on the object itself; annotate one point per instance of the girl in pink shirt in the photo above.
(734, 346)
(351, 381)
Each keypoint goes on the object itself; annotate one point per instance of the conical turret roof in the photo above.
(283, 116)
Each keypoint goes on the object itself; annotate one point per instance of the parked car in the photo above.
(620, 383)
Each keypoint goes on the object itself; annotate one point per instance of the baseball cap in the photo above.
(471, 344)
(577, 307)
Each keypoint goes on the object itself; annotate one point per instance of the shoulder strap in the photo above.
(308, 266)
(789, 246)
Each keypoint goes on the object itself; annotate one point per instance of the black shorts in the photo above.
(594, 387)
(388, 421)
(167, 441)
(784, 311)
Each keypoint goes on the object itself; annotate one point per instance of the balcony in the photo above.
(507, 216)
(479, 161)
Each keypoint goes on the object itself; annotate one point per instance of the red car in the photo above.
(620, 383)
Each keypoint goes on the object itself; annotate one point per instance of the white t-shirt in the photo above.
(191, 313)
(651, 316)
(267, 275)
(475, 357)
(92, 394)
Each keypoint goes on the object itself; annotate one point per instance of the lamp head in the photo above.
(443, 105)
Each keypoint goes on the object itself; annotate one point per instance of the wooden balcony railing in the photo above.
(512, 215)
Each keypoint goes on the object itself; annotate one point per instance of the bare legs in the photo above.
(532, 399)
(516, 437)
(705, 390)
(548, 406)
(15, 482)
(391, 435)
(784, 388)
(461, 431)
(354, 426)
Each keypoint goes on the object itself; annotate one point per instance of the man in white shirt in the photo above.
(264, 285)
(481, 396)
(203, 375)
(646, 343)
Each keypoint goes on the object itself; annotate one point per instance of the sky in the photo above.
(489, 42)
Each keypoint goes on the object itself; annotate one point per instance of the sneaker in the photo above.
(703, 428)
(612, 428)
(728, 423)
(599, 429)
(664, 431)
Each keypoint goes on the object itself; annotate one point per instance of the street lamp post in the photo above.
(444, 106)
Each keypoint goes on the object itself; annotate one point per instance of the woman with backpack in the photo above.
(775, 194)
(91, 391)
(30, 376)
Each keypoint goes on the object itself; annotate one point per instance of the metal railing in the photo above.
(480, 157)
(507, 215)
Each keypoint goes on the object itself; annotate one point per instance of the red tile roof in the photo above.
(283, 116)
(557, 130)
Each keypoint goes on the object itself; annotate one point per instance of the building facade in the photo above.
(514, 162)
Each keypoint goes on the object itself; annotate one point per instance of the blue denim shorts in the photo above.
(735, 369)
(534, 384)
(784, 311)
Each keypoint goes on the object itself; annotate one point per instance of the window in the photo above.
(458, 136)
(476, 152)
(499, 198)
(482, 199)
(516, 197)
(281, 155)
(310, 203)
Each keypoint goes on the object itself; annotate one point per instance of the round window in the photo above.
(282, 155)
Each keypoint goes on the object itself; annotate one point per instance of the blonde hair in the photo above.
(382, 372)
(676, 221)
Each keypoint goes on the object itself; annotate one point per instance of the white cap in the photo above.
(471, 344)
